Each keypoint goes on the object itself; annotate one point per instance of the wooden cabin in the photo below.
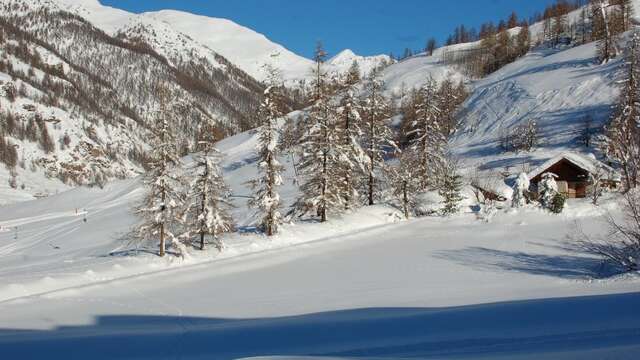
(572, 174)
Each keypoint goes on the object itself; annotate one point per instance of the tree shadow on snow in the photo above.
(500, 329)
(561, 266)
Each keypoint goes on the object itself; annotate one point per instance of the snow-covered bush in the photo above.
(548, 188)
(557, 204)
(519, 189)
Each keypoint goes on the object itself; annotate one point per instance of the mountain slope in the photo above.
(244, 47)
(78, 103)
(558, 89)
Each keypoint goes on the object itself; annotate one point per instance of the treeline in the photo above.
(344, 149)
(600, 21)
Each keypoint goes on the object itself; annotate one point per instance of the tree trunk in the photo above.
(162, 246)
(405, 200)
(164, 208)
(371, 181)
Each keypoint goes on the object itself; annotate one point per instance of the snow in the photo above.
(178, 32)
(588, 163)
(556, 88)
(364, 285)
(385, 287)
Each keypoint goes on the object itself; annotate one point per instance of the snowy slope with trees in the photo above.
(339, 245)
(59, 266)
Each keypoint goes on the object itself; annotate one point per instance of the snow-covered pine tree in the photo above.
(548, 189)
(266, 198)
(523, 40)
(352, 77)
(520, 187)
(601, 30)
(622, 142)
(377, 137)
(450, 187)
(405, 185)
(207, 213)
(352, 157)
(319, 156)
(161, 210)
(427, 139)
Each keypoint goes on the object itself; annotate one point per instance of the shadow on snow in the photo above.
(535, 326)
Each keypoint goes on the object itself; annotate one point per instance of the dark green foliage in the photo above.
(557, 204)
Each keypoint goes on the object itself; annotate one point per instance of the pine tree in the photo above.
(162, 207)
(427, 138)
(207, 212)
(623, 134)
(352, 157)
(319, 156)
(601, 31)
(513, 20)
(432, 44)
(450, 188)
(548, 189)
(266, 198)
(523, 40)
(377, 137)
(352, 77)
(404, 182)
(449, 98)
(559, 28)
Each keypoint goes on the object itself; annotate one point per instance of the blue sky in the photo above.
(366, 26)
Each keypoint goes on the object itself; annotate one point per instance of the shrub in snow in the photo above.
(557, 204)
(548, 188)
(519, 189)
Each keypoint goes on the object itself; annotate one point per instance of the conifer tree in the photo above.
(523, 40)
(548, 188)
(319, 156)
(352, 157)
(623, 133)
(266, 198)
(377, 137)
(405, 184)
(207, 212)
(161, 210)
(450, 188)
(427, 138)
(352, 76)
(601, 31)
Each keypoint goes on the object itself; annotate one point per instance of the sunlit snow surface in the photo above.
(365, 285)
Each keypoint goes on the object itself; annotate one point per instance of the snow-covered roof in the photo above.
(588, 163)
(493, 184)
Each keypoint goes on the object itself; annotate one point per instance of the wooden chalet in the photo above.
(572, 174)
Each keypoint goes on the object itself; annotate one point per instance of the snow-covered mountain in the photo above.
(343, 61)
(244, 47)
(78, 103)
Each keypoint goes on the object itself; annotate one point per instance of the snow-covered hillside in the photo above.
(79, 110)
(558, 89)
(244, 47)
(385, 287)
